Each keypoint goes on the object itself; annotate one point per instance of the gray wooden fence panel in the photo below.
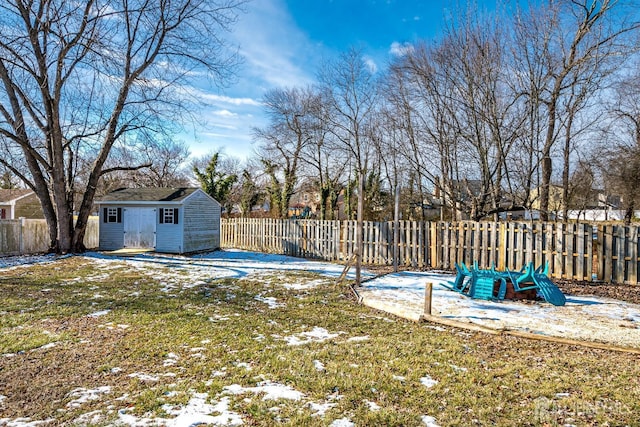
(578, 251)
(30, 236)
(10, 237)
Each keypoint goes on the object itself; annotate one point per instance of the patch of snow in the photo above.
(90, 418)
(357, 339)
(23, 422)
(116, 370)
(429, 421)
(320, 409)
(99, 313)
(427, 381)
(13, 262)
(399, 378)
(221, 373)
(2, 398)
(582, 317)
(83, 395)
(46, 346)
(316, 335)
(244, 365)
(373, 406)
(270, 301)
(318, 365)
(271, 390)
(196, 412)
(342, 422)
(458, 368)
(171, 359)
(143, 377)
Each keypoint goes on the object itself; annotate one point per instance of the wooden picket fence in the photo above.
(588, 252)
(30, 236)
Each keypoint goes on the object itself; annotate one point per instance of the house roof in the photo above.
(148, 195)
(13, 194)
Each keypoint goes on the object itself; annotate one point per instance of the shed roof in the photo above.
(148, 195)
(13, 194)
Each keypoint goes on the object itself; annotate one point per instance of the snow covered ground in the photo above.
(582, 318)
(585, 318)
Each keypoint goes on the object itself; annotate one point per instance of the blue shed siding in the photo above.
(169, 236)
(202, 223)
(111, 233)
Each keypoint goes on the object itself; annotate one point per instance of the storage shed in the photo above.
(172, 220)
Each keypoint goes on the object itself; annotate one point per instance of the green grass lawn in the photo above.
(86, 341)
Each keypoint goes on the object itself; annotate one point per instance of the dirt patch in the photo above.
(628, 293)
(40, 380)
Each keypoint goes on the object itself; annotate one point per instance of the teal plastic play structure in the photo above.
(492, 284)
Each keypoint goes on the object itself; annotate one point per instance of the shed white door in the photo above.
(139, 227)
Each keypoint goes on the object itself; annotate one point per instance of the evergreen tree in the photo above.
(216, 183)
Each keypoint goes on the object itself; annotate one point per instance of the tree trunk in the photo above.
(546, 162)
(360, 228)
(396, 227)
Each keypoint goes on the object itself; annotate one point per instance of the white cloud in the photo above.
(276, 53)
(274, 48)
(400, 49)
(210, 97)
(224, 113)
(371, 64)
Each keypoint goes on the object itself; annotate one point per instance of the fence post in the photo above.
(502, 246)
(428, 295)
(21, 238)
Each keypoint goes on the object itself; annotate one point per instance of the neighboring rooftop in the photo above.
(13, 194)
(148, 195)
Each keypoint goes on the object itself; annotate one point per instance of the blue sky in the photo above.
(282, 42)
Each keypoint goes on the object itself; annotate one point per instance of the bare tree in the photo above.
(321, 167)
(460, 114)
(292, 123)
(582, 194)
(77, 77)
(619, 159)
(158, 163)
(565, 45)
(167, 159)
(350, 88)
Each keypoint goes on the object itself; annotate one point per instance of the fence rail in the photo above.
(28, 236)
(609, 253)
(588, 252)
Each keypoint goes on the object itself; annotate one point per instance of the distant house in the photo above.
(305, 202)
(173, 220)
(19, 203)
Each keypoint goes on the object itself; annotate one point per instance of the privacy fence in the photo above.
(607, 253)
(28, 236)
